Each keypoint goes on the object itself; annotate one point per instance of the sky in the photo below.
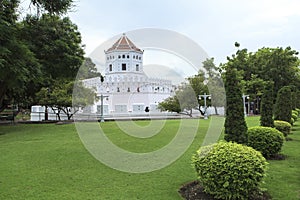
(214, 24)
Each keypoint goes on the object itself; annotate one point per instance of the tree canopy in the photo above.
(67, 97)
(36, 51)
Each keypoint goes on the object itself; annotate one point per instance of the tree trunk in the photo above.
(69, 116)
(2, 94)
(216, 110)
(58, 114)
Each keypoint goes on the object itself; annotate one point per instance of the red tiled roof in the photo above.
(124, 44)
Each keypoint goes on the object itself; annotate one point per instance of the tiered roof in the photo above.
(123, 44)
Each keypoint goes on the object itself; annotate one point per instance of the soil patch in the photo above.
(194, 191)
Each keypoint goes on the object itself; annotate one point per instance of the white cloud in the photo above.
(215, 24)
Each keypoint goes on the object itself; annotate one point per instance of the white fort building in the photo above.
(126, 89)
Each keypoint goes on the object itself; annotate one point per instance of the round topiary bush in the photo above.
(229, 170)
(267, 140)
(283, 126)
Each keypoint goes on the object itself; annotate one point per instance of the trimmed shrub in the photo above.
(298, 110)
(295, 112)
(292, 121)
(266, 108)
(229, 170)
(294, 116)
(235, 124)
(283, 105)
(283, 126)
(267, 140)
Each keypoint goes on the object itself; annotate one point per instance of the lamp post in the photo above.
(46, 106)
(204, 96)
(244, 103)
(101, 110)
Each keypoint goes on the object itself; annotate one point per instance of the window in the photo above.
(110, 67)
(128, 90)
(123, 56)
(107, 58)
(123, 67)
(119, 56)
(133, 57)
(128, 56)
(118, 89)
(140, 58)
(137, 67)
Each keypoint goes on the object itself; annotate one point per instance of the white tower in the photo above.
(124, 58)
(127, 87)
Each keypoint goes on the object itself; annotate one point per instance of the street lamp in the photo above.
(101, 109)
(244, 103)
(204, 96)
(46, 106)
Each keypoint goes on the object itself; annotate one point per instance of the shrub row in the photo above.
(229, 170)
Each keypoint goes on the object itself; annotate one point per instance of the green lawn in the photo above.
(49, 162)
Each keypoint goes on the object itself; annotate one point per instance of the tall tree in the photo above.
(52, 7)
(266, 118)
(278, 65)
(22, 71)
(18, 65)
(56, 44)
(283, 106)
(235, 124)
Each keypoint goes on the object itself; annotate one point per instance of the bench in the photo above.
(8, 115)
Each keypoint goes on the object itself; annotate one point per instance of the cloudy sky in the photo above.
(214, 24)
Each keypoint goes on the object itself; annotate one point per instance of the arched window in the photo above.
(133, 57)
(110, 67)
(119, 56)
(137, 67)
(123, 56)
(128, 56)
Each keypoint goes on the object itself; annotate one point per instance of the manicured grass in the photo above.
(49, 162)
(283, 180)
